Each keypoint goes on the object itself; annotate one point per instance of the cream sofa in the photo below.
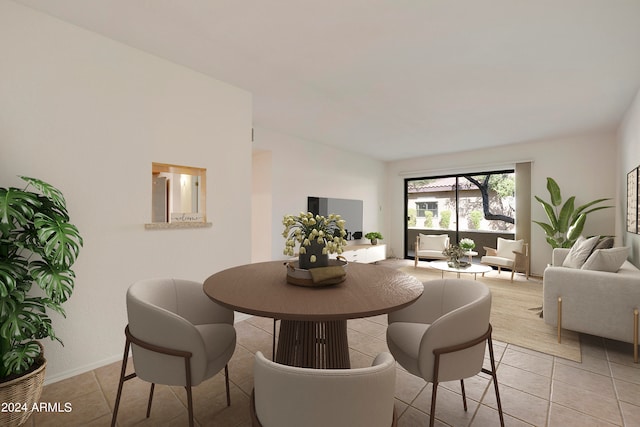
(594, 302)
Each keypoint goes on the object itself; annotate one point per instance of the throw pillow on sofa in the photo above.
(580, 251)
(605, 242)
(606, 259)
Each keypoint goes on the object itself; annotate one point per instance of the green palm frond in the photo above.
(12, 271)
(17, 207)
(21, 356)
(57, 283)
(60, 240)
(566, 226)
(554, 192)
(48, 191)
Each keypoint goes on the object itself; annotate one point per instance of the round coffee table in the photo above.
(313, 327)
(472, 269)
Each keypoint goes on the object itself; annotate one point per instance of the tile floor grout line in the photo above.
(551, 385)
(613, 382)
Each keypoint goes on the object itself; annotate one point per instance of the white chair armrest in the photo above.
(463, 324)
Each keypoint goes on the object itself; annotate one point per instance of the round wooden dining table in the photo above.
(313, 327)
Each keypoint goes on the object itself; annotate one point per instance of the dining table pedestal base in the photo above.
(313, 344)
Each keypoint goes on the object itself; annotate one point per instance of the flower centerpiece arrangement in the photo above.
(467, 244)
(454, 253)
(317, 237)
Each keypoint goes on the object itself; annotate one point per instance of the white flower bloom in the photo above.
(303, 250)
(306, 227)
(312, 258)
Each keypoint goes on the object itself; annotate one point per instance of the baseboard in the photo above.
(81, 370)
(238, 317)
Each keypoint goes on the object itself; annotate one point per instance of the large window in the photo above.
(480, 206)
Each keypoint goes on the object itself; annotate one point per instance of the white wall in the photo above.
(301, 168)
(90, 115)
(584, 166)
(629, 141)
(261, 206)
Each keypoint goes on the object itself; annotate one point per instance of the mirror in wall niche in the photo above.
(178, 196)
(350, 210)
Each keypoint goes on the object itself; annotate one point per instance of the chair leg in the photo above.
(494, 377)
(153, 387)
(512, 273)
(189, 404)
(226, 381)
(635, 335)
(432, 415)
(559, 320)
(123, 378)
(464, 395)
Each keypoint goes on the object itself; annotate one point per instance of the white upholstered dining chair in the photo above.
(443, 335)
(288, 396)
(510, 254)
(178, 336)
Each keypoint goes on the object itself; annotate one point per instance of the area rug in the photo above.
(514, 317)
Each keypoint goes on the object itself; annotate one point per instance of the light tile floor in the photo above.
(536, 389)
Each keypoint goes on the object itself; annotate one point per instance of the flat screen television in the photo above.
(350, 210)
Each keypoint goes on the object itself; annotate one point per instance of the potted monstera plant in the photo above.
(38, 246)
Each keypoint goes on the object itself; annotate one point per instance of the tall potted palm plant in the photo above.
(566, 222)
(38, 245)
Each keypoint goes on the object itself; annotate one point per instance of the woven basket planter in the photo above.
(20, 394)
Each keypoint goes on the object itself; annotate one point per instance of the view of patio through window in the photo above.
(481, 207)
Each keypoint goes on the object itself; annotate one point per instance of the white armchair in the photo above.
(443, 335)
(288, 396)
(430, 246)
(178, 337)
(509, 254)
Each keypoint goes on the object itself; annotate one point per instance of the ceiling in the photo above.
(396, 79)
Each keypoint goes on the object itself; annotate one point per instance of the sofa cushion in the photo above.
(580, 251)
(433, 243)
(606, 259)
(506, 247)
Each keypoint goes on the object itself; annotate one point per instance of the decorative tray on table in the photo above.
(334, 273)
(460, 265)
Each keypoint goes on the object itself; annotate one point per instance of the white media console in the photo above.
(364, 253)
